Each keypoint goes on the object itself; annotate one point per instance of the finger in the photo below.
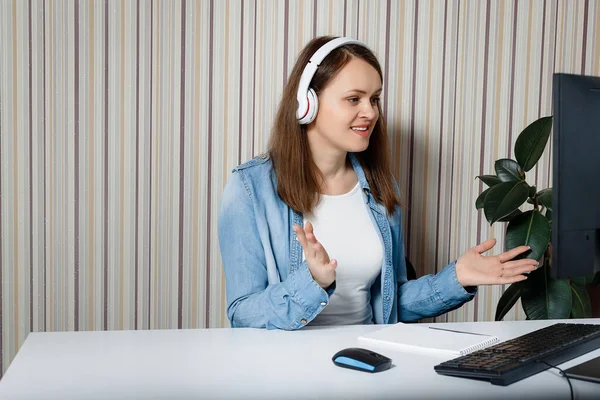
(331, 267)
(320, 253)
(510, 273)
(301, 237)
(310, 233)
(311, 238)
(308, 227)
(526, 262)
(513, 279)
(524, 270)
(485, 246)
(509, 255)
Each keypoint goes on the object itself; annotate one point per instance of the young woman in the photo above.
(311, 231)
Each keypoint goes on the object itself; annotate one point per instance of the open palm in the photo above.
(320, 266)
(473, 268)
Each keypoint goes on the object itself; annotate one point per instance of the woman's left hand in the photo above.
(473, 268)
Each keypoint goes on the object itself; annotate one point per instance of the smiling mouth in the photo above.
(362, 131)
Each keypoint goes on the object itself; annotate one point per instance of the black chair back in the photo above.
(410, 271)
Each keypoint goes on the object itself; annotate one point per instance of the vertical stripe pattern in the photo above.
(120, 122)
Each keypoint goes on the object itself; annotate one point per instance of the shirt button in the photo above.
(302, 321)
(323, 303)
(263, 156)
(387, 298)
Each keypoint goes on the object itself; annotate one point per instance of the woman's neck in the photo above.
(332, 166)
(338, 175)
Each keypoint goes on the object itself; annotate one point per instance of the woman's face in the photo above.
(348, 109)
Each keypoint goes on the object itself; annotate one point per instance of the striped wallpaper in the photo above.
(121, 120)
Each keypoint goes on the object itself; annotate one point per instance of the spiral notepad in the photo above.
(422, 339)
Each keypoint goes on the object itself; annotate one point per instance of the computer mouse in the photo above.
(361, 359)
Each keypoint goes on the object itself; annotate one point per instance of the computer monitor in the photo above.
(576, 176)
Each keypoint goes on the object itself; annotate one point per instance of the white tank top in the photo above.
(344, 227)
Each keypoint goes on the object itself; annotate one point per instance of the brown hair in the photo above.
(297, 175)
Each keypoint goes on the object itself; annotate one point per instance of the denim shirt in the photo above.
(269, 285)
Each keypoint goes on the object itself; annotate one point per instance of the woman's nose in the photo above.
(369, 111)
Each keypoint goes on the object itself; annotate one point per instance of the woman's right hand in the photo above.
(320, 266)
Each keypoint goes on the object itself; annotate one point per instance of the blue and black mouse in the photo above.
(361, 359)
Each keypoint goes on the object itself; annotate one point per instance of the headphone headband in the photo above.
(307, 99)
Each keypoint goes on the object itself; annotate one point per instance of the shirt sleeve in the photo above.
(430, 295)
(251, 300)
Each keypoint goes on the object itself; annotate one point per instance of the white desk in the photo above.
(252, 363)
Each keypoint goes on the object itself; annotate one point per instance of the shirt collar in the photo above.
(360, 173)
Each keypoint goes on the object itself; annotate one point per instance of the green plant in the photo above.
(541, 296)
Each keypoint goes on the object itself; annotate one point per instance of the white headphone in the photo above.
(308, 103)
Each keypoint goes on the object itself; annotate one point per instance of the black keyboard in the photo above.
(523, 356)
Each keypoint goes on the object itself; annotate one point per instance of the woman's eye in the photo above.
(354, 100)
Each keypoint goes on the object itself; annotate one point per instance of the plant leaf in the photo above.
(530, 229)
(531, 142)
(545, 298)
(481, 198)
(511, 216)
(582, 305)
(545, 198)
(509, 170)
(583, 280)
(508, 299)
(504, 198)
(549, 215)
(489, 180)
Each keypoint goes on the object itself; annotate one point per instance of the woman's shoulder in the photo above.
(257, 172)
(254, 178)
(262, 160)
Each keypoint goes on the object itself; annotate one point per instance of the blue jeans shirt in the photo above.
(270, 286)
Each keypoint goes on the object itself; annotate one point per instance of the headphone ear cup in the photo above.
(313, 107)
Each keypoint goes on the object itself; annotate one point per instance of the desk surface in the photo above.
(253, 363)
